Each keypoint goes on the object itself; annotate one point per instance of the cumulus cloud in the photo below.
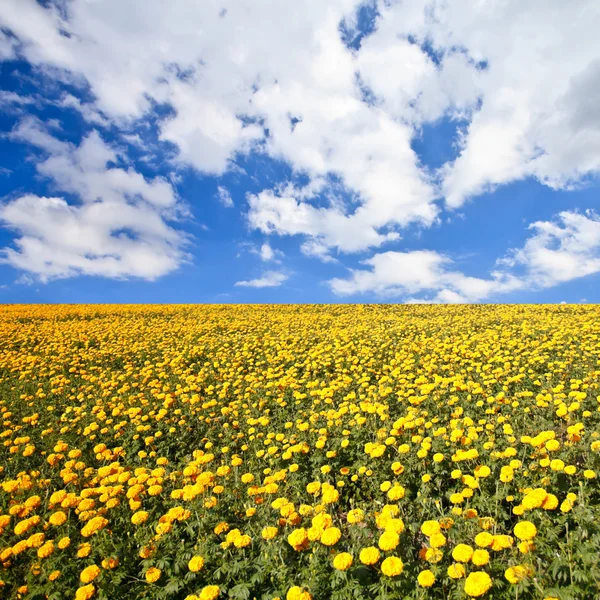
(404, 274)
(558, 251)
(119, 227)
(561, 250)
(268, 279)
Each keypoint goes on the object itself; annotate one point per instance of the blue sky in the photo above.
(334, 152)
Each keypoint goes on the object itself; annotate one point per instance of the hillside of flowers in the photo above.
(299, 452)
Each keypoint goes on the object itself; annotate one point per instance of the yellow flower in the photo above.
(297, 593)
(477, 584)
(139, 517)
(195, 564)
(437, 540)
(369, 556)
(392, 566)
(209, 592)
(153, 574)
(58, 518)
(242, 541)
(426, 578)
(89, 574)
(433, 555)
(501, 542)
(268, 533)
(388, 540)
(110, 563)
(480, 557)
(298, 539)
(430, 528)
(342, 561)
(85, 592)
(84, 550)
(516, 574)
(456, 571)
(525, 530)
(462, 553)
(331, 536)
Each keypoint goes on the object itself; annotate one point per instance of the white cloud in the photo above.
(561, 250)
(118, 229)
(536, 118)
(268, 279)
(404, 274)
(224, 197)
(86, 109)
(8, 98)
(558, 251)
(266, 252)
(83, 170)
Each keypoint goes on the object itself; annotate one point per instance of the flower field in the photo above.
(298, 452)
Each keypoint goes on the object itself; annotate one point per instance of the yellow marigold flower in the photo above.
(36, 540)
(93, 526)
(395, 525)
(566, 506)
(484, 539)
(430, 528)
(477, 584)
(139, 517)
(209, 592)
(152, 575)
(462, 553)
(195, 564)
(89, 574)
(437, 540)
(54, 575)
(480, 557)
(268, 533)
(388, 540)
(426, 578)
(85, 592)
(392, 566)
(110, 563)
(46, 550)
(342, 561)
(516, 574)
(369, 556)
(298, 539)
(242, 541)
(456, 571)
(433, 555)
(331, 536)
(525, 530)
(58, 518)
(84, 550)
(330, 495)
(356, 515)
(534, 499)
(482, 471)
(297, 593)
(396, 493)
(146, 552)
(221, 528)
(501, 542)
